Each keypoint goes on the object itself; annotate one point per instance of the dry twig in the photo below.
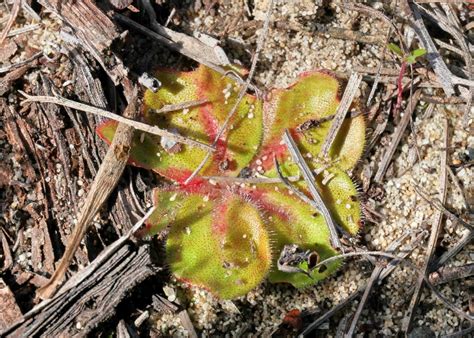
(21, 63)
(445, 77)
(435, 231)
(250, 180)
(384, 274)
(436, 293)
(22, 30)
(179, 42)
(242, 92)
(105, 181)
(374, 277)
(179, 106)
(310, 181)
(446, 274)
(467, 237)
(346, 101)
(396, 137)
(187, 324)
(11, 20)
(104, 113)
(454, 28)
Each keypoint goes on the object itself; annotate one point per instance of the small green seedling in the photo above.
(411, 58)
(226, 236)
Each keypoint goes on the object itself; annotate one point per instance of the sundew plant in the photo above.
(226, 230)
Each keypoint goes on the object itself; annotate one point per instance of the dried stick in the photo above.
(461, 333)
(310, 181)
(105, 181)
(181, 43)
(436, 293)
(374, 277)
(436, 61)
(385, 273)
(292, 188)
(373, 12)
(346, 101)
(467, 237)
(209, 51)
(187, 324)
(11, 20)
(22, 30)
(21, 63)
(440, 206)
(397, 136)
(457, 32)
(446, 274)
(179, 106)
(250, 180)
(435, 231)
(121, 119)
(243, 90)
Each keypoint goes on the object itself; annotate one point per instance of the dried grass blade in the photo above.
(11, 20)
(242, 92)
(346, 101)
(435, 231)
(104, 113)
(397, 136)
(444, 75)
(104, 182)
(310, 181)
(374, 277)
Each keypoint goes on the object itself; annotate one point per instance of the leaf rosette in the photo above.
(227, 237)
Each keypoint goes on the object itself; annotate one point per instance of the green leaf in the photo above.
(291, 221)
(395, 48)
(217, 239)
(418, 52)
(313, 97)
(235, 148)
(414, 55)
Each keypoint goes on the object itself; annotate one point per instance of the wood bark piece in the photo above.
(90, 24)
(9, 310)
(91, 29)
(120, 4)
(105, 181)
(80, 309)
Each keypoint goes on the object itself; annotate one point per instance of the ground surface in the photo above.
(303, 36)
